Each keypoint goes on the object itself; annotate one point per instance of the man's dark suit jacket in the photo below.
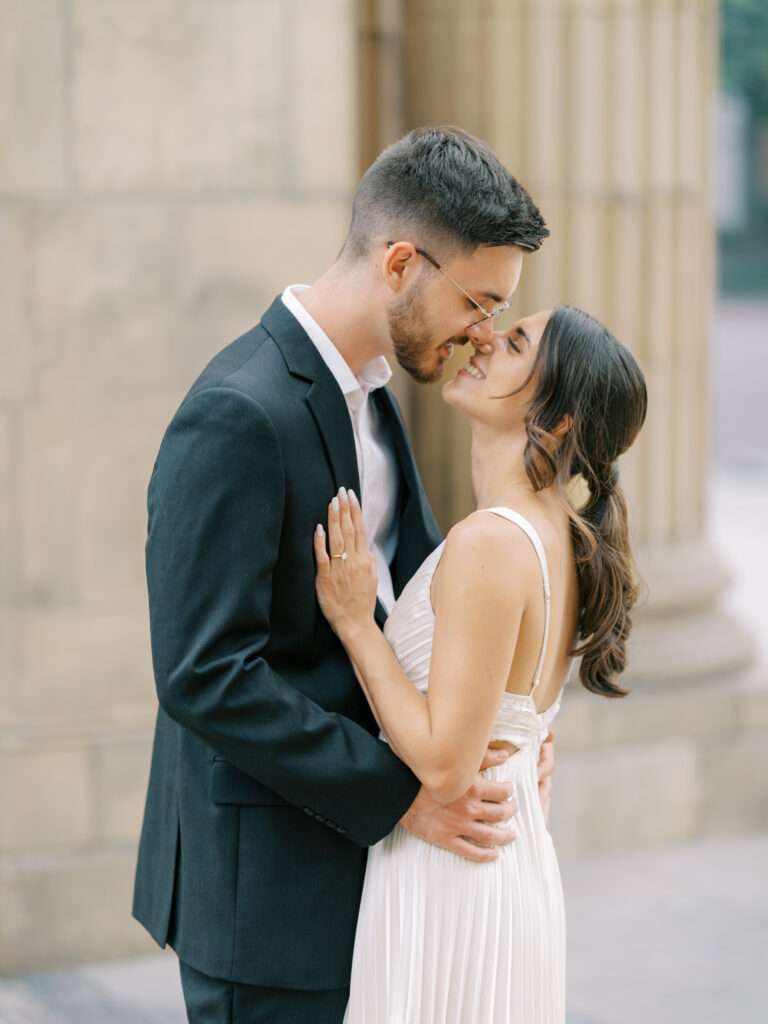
(268, 781)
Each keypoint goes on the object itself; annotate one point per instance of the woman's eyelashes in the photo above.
(511, 341)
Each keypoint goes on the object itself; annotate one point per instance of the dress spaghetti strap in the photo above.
(528, 528)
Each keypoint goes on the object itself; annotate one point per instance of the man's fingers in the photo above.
(495, 792)
(546, 760)
(493, 757)
(489, 835)
(479, 854)
(495, 813)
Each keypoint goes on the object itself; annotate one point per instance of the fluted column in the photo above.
(602, 108)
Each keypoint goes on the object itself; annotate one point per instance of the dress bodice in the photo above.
(410, 630)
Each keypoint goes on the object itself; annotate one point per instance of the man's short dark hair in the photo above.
(442, 186)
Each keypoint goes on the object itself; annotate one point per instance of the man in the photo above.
(268, 781)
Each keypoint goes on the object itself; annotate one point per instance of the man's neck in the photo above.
(338, 302)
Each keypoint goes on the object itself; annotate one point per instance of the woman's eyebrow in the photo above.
(525, 334)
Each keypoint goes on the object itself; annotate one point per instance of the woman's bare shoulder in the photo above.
(485, 549)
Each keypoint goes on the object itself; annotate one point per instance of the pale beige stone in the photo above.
(661, 127)
(587, 258)
(8, 503)
(732, 773)
(321, 65)
(179, 94)
(642, 795)
(544, 143)
(588, 92)
(689, 645)
(66, 909)
(33, 97)
(103, 280)
(79, 664)
(46, 799)
(752, 707)
(120, 768)
(236, 257)
(14, 325)
(625, 95)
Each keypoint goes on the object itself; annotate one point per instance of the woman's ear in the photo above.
(564, 425)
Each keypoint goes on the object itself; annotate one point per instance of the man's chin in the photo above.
(424, 374)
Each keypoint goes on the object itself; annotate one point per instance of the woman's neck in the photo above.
(498, 468)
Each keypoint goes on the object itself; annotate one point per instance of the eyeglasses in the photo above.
(486, 314)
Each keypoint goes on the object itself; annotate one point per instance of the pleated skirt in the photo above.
(442, 940)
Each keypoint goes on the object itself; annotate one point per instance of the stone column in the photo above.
(602, 108)
(166, 169)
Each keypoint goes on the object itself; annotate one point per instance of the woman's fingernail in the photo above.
(335, 503)
(343, 493)
(319, 529)
(353, 496)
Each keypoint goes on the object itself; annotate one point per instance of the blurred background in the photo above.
(166, 168)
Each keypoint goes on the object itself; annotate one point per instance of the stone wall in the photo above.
(166, 167)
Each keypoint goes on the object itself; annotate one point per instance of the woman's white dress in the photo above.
(442, 940)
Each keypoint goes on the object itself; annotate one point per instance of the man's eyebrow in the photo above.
(492, 295)
(525, 334)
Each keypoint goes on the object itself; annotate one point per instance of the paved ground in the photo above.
(678, 936)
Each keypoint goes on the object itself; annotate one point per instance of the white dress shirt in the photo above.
(376, 463)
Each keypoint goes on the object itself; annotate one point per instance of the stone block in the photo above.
(734, 794)
(641, 795)
(8, 503)
(235, 257)
(179, 94)
(80, 665)
(50, 464)
(625, 55)
(589, 93)
(322, 69)
(33, 96)
(752, 709)
(46, 800)
(68, 909)
(705, 712)
(120, 769)
(103, 278)
(660, 69)
(14, 327)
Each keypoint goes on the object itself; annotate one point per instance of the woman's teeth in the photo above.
(474, 372)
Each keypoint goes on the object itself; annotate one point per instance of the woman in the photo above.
(477, 649)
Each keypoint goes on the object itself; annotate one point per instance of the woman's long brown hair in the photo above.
(585, 373)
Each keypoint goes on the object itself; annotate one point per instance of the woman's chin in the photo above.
(451, 392)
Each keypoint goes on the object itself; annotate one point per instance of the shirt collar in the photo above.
(374, 374)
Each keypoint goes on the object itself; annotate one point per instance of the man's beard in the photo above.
(411, 340)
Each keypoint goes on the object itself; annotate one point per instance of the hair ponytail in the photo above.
(607, 581)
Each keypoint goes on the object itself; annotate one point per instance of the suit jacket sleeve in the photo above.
(215, 506)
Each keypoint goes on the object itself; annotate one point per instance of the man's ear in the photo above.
(399, 262)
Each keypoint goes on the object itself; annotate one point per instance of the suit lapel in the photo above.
(327, 405)
(323, 397)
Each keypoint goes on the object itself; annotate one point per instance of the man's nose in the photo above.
(481, 335)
